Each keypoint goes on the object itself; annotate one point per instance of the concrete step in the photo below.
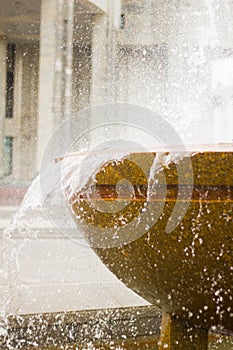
(41, 270)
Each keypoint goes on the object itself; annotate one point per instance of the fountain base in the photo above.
(178, 335)
(125, 328)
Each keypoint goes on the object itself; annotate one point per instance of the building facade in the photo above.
(60, 56)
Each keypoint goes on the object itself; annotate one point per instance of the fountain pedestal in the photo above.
(187, 272)
(178, 335)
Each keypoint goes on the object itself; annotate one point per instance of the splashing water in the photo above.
(195, 66)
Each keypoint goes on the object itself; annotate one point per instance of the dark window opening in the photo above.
(8, 155)
(10, 72)
(122, 21)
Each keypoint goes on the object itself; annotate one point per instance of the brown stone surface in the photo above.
(177, 335)
(132, 328)
(189, 271)
(135, 328)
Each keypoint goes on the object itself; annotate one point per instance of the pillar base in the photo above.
(178, 335)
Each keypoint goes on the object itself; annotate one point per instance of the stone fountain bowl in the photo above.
(187, 272)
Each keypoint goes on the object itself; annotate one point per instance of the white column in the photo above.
(99, 60)
(58, 92)
(56, 68)
(63, 87)
(104, 55)
(117, 11)
(69, 57)
(64, 60)
(3, 45)
(113, 12)
(46, 75)
(14, 124)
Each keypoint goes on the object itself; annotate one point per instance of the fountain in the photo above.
(187, 272)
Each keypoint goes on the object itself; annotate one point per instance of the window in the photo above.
(122, 21)
(10, 72)
(8, 155)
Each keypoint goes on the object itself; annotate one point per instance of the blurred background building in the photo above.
(60, 56)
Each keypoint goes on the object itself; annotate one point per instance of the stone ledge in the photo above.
(128, 327)
(135, 328)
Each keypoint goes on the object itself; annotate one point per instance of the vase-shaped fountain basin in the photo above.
(188, 272)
